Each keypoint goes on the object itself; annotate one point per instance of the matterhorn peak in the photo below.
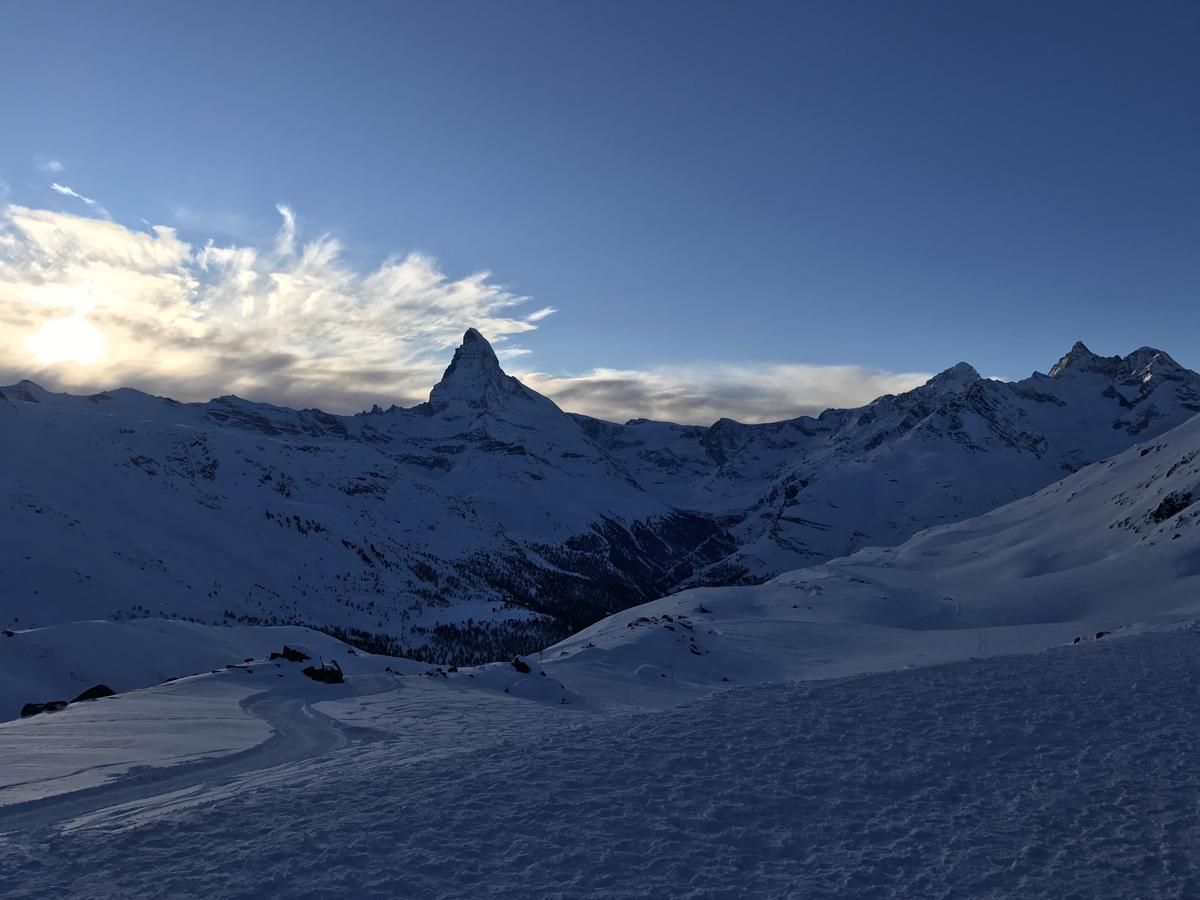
(474, 336)
(475, 381)
(474, 353)
(473, 375)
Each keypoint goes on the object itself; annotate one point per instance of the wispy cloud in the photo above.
(48, 164)
(285, 240)
(701, 394)
(195, 321)
(87, 304)
(68, 192)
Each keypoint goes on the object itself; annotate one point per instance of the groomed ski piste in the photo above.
(1001, 707)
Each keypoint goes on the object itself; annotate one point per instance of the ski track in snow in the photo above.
(1069, 773)
(298, 733)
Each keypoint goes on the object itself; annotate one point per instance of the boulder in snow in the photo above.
(291, 654)
(327, 673)
(33, 709)
(95, 693)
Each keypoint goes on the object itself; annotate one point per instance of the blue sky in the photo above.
(886, 186)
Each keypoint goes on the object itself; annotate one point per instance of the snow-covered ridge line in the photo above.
(487, 521)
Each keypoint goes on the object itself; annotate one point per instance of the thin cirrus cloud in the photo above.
(88, 304)
(75, 195)
(48, 164)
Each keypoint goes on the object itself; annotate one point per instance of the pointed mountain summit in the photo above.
(474, 381)
(1080, 359)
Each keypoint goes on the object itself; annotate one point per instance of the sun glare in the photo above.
(73, 339)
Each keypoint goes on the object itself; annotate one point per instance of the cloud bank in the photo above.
(89, 304)
(701, 394)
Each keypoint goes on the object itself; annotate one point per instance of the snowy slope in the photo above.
(1030, 766)
(1114, 547)
(1062, 774)
(60, 662)
(487, 521)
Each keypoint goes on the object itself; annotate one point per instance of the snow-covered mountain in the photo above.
(1113, 548)
(810, 489)
(759, 785)
(487, 520)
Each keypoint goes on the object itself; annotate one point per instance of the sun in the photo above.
(73, 339)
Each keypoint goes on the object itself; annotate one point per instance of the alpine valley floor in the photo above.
(1065, 773)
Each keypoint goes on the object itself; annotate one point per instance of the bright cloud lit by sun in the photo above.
(73, 339)
(88, 304)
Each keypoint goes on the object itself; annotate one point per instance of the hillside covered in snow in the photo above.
(996, 707)
(487, 521)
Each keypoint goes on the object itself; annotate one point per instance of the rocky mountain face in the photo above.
(806, 490)
(1115, 543)
(487, 520)
(1112, 549)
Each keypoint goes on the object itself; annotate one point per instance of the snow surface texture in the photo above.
(1064, 774)
(88, 744)
(490, 509)
(248, 707)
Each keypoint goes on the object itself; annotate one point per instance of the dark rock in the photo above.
(329, 673)
(8, 632)
(291, 654)
(521, 666)
(1172, 505)
(1100, 634)
(95, 693)
(33, 709)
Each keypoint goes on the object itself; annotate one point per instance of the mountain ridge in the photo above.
(487, 520)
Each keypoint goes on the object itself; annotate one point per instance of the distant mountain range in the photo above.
(488, 521)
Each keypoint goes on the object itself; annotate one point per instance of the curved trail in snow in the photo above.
(299, 733)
